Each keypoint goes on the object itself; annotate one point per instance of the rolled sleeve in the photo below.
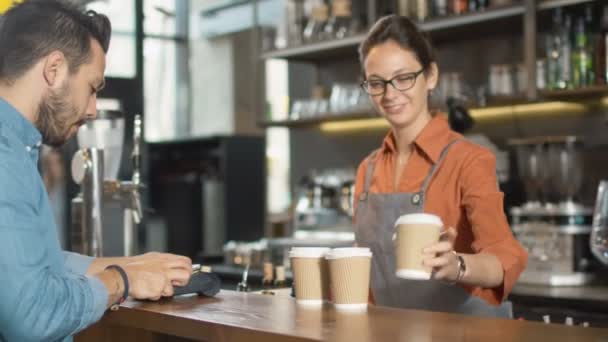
(99, 293)
(483, 203)
(77, 263)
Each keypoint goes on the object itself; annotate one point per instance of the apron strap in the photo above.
(369, 174)
(434, 169)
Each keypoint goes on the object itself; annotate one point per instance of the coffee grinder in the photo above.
(106, 212)
(552, 225)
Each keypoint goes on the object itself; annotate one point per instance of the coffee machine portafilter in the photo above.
(95, 168)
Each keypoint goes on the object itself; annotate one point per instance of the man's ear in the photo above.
(55, 68)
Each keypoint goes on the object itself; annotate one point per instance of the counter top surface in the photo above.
(593, 292)
(235, 316)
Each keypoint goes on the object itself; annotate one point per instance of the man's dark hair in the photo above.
(33, 29)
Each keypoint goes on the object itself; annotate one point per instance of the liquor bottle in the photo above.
(280, 281)
(267, 279)
(565, 55)
(314, 30)
(581, 58)
(590, 31)
(459, 6)
(553, 48)
(553, 65)
(404, 8)
(601, 66)
(340, 24)
(420, 10)
(440, 8)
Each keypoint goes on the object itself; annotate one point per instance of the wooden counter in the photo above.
(235, 316)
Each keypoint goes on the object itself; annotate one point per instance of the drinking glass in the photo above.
(599, 232)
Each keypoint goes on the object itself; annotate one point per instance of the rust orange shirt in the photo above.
(463, 192)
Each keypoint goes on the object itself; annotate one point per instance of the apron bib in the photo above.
(374, 228)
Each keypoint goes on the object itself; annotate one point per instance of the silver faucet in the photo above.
(87, 208)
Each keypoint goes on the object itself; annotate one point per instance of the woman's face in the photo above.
(389, 61)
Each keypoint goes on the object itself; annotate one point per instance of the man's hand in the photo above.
(151, 275)
(177, 266)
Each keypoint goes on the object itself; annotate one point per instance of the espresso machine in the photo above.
(552, 224)
(325, 203)
(106, 212)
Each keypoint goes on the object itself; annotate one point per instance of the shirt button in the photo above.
(28, 148)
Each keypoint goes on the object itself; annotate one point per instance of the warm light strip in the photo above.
(354, 125)
(523, 110)
(531, 109)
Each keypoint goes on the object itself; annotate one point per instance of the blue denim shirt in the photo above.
(44, 292)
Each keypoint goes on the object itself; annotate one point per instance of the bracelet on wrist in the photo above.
(125, 281)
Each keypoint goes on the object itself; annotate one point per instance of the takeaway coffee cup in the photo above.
(413, 232)
(349, 270)
(310, 275)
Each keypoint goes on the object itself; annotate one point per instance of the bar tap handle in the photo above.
(136, 206)
(135, 155)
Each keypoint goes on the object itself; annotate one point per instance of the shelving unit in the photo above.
(322, 50)
(526, 10)
(320, 118)
(551, 4)
(472, 18)
(576, 94)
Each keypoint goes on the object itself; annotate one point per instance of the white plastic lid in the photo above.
(348, 252)
(419, 219)
(308, 252)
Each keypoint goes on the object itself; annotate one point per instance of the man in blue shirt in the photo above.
(52, 62)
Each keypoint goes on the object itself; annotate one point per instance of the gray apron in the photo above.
(374, 228)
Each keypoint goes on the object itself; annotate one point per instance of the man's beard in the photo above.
(54, 115)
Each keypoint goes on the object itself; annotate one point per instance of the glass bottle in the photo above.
(599, 230)
(314, 30)
(280, 281)
(553, 65)
(420, 10)
(581, 58)
(267, 279)
(601, 69)
(404, 8)
(440, 8)
(340, 24)
(565, 55)
(459, 6)
(591, 33)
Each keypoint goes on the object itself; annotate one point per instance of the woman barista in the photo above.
(423, 166)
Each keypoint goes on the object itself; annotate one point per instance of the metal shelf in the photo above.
(595, 91)
(218, 6)
(321, 50)
(317, 51)
(321, 118)
(472, 18)
(551, 4)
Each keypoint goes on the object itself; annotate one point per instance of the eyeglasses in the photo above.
(400, 82)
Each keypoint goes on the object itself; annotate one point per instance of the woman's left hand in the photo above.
(442, 258)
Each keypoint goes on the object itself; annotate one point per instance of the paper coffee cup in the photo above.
(413, 233)
(349, 270)
(310, 275)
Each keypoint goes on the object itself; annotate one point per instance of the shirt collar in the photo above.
(431, 140)
(26, 132)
